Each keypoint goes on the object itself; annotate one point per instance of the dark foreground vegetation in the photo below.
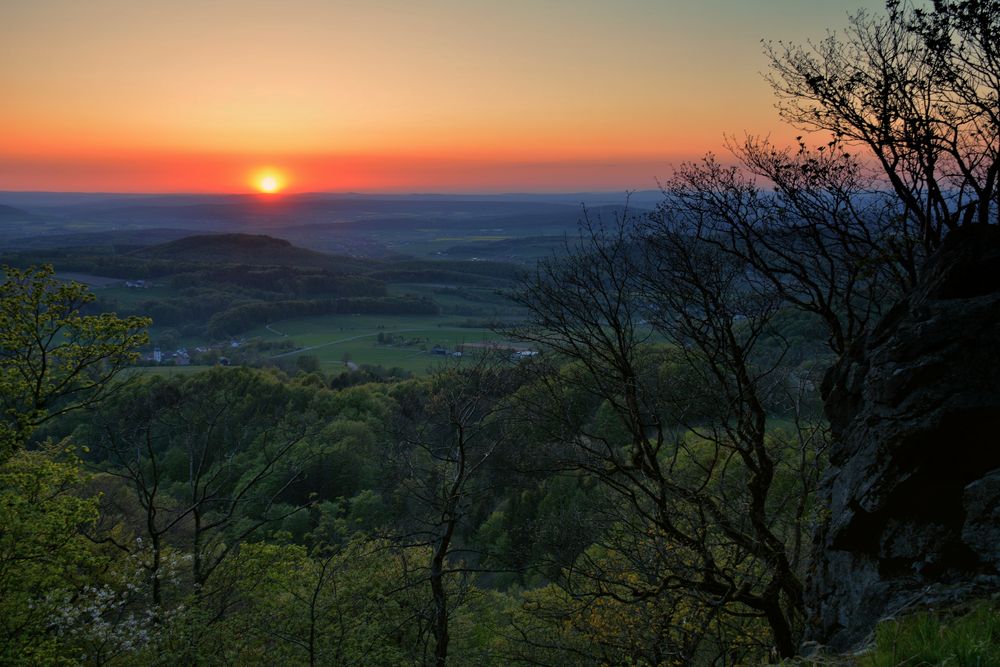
(644, 491)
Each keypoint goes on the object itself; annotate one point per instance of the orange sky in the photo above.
(456, 95)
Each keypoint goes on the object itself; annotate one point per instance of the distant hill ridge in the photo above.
(12, 213)
(213, 255)
(257, 249)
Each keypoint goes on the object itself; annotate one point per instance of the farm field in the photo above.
(337, 339)
(197, 320)
(166, 371)
(131, 297)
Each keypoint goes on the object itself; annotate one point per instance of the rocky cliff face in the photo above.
(913, 493)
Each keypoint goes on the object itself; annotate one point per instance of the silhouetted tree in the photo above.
(917, 90)
(707, 501)
(823, 238)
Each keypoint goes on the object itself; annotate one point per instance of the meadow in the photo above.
(337, 339)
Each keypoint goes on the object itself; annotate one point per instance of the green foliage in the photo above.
(236, 501)
(926, 639)
(291, 281)
(307, 363)
(53, 358)
(334, 607)
(45, 563)
(481, 630)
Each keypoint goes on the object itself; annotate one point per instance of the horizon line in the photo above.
(339, 193)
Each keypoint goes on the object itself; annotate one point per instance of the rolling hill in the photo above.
(254, 249)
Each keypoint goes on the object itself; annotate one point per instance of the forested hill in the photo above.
(212, 252)
(211, 287)
(12, 213)
(258, 249)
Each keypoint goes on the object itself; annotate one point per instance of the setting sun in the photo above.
(269, 182)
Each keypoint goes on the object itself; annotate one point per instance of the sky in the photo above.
(384, 96)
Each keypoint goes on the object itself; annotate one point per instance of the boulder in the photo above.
(910, 503)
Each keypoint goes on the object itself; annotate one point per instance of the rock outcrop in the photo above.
(912, 499)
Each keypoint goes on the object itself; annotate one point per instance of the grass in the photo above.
(169, 370)
(333, 339)
(131, 296)
(970, 640)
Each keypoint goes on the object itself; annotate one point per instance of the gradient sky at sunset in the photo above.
(379, 95)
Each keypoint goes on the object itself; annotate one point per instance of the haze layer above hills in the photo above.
(517, 227)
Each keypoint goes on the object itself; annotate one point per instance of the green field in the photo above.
(169, 370)
(131, 297)
(335, 339)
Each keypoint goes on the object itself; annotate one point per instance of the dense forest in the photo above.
(643, 491)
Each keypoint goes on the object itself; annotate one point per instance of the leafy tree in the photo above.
(307, 363)
(45, 563)
(336, 606)
(449, 431)
(54, 358)
(554, 626)
(209, 460)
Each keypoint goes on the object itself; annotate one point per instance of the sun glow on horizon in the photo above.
(257, 98)
(269, 181)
